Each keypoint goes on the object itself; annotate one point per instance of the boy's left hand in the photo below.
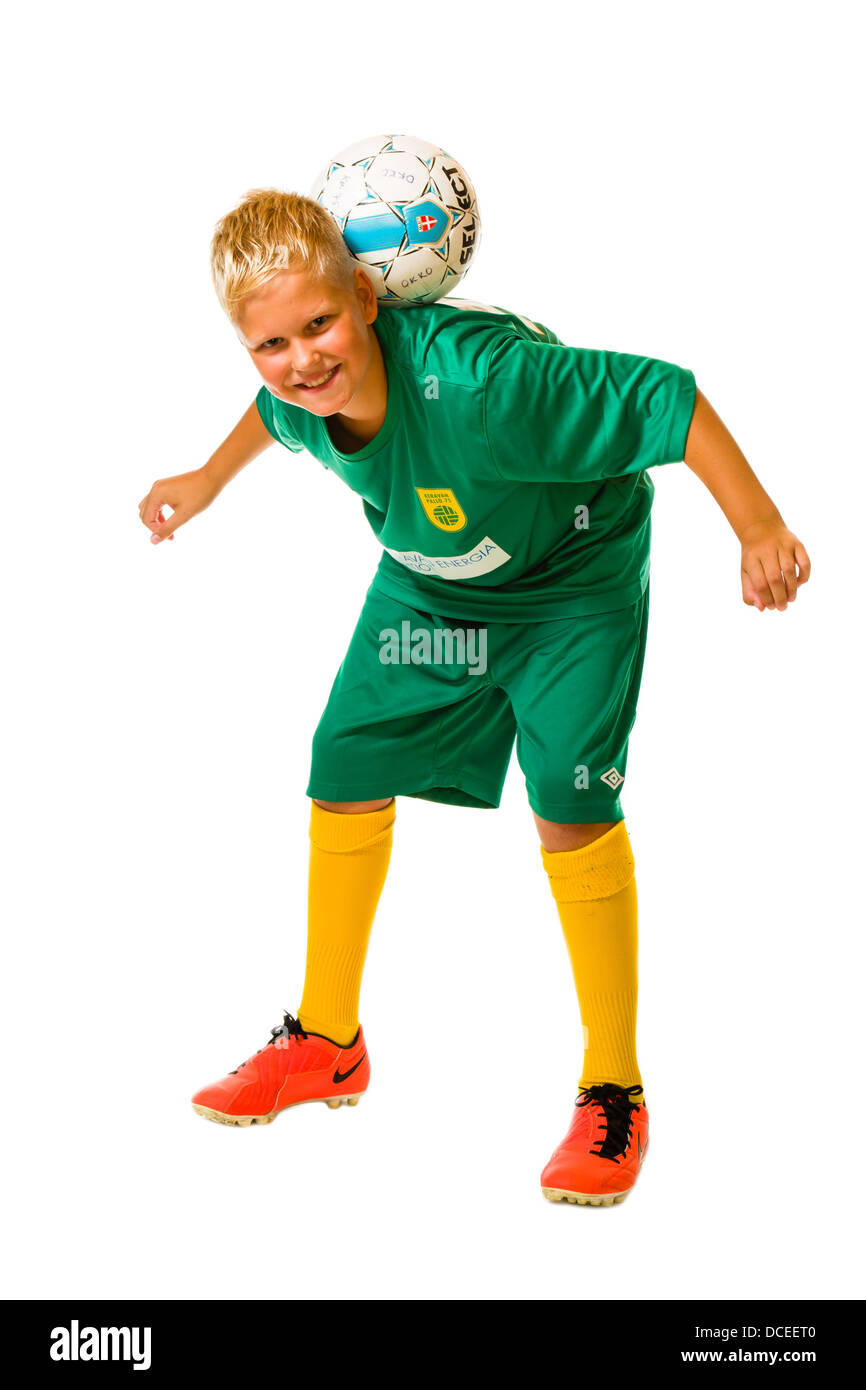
(771, 558)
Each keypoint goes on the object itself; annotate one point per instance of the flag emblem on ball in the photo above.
(432, 223)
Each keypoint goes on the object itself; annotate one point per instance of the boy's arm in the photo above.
(771, 553)
(248, 439)
(189, 493)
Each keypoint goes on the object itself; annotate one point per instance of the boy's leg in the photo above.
(441, 731)
(323, 1054)
(432, 729)
(596, 898)
(574, 690)
(601, 1155)
(350, 848)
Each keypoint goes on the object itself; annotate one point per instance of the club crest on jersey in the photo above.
(442, 508)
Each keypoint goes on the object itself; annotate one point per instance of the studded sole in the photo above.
(584, 1199)
(333, 1103)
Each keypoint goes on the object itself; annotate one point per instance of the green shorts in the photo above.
(429, 706)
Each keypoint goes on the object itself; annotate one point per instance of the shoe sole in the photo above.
(584, 1199)
(333, 1103)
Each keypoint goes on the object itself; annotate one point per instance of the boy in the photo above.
(503, 473)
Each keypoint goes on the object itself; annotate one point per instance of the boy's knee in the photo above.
(557, 838)
(605, 867)
(353, 807)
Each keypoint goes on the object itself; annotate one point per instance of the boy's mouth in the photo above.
(319, 383)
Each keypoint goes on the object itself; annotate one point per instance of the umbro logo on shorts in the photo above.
(612, 778)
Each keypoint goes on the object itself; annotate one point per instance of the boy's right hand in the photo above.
(187, 495)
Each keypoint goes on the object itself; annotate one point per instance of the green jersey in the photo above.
(507, 482)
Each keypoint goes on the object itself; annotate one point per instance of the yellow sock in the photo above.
(596, 897)
(349, 857)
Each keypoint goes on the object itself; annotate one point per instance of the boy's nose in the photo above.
(306, 366)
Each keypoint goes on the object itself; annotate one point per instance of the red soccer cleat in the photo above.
(600, 1157)
(293, 1068)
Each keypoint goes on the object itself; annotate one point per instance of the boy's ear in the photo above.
(367, 294)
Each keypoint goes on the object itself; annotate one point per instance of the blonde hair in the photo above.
(270, 231)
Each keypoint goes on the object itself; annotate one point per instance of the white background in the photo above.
(678, 180)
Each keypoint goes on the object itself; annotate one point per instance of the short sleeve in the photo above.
(554, 413)
(275, 422)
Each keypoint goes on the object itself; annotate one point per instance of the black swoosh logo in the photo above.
(338, 1076)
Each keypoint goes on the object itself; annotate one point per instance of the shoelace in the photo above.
(618, 1113)
(289, 1028)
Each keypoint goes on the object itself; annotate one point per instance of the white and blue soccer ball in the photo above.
(408, 214)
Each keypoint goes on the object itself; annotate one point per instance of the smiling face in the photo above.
(312, 342)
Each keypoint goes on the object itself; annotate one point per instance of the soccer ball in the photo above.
(408, 214)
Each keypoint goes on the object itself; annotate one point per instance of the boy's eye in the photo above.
(314, 323)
